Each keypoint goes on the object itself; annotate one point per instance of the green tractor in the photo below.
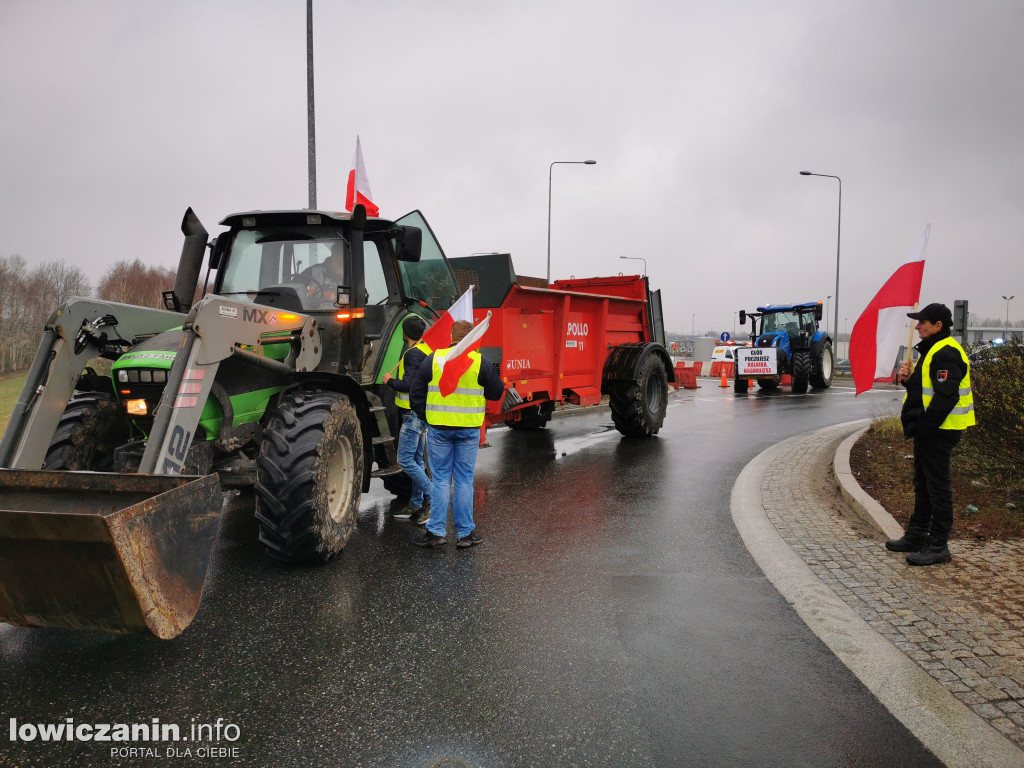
(271, 381)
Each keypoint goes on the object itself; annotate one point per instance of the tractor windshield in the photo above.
(307, 261)
(781, 321)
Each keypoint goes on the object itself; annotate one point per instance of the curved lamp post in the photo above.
(1006, 330)
(640, 258)
(550, 169)
(839, 230)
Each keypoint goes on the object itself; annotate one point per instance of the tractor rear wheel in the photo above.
(740, 386)
(92, 426)
(309, 476)
(638, 406)
(801, 371)
(534, 417)
(821, 377)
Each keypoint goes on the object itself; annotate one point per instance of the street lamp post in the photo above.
(839, 231)
(1006, 331)
(550, 169)
(826, 313)
(637, 258)
(693, 324)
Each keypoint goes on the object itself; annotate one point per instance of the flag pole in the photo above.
(910, 341)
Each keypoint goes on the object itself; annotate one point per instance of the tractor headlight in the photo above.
(136, 407)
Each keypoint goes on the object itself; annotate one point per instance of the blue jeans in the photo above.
(412, 442)
(452, 459)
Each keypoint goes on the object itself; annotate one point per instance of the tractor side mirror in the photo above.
(410, 243)
(743, 317)
(817, 312)
(221, 245)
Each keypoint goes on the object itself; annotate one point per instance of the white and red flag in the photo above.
(457, 361)
(439, 335)
(359, 185)
(881, 329)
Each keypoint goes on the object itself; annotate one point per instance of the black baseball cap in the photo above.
(933, 313)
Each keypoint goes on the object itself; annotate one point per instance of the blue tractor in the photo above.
(788, 341)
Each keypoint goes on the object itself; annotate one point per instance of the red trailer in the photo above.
(575, 342)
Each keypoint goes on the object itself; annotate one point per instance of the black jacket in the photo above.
(488, 378)
(413, 360)
(916, 419)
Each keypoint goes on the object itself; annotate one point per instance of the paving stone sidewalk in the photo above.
(962, 622)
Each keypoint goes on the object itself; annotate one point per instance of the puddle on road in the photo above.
(571, 445)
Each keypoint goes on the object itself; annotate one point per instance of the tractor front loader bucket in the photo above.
(110, 552)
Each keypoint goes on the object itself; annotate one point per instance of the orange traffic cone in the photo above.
(725, 381)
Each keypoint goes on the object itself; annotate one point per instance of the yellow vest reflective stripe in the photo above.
(402, 398)
(465, 406)
(962, 415)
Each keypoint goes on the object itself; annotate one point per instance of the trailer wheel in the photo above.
(638, 407)
(309, 476)
(740, 386)
(534, 417)
(801, 371)
(92, 426)
(821, 377)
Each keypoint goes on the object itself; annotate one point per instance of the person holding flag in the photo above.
(450, 393)
(412, 438)
(937, 408)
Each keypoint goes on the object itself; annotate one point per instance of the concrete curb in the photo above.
(946, 726)
(858, 498)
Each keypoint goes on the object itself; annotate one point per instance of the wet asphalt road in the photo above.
(611, 618)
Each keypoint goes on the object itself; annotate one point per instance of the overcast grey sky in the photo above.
(118, 114)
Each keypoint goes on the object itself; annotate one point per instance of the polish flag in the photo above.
(359, 185)
(439, 335)
(457, 361)
(882, 327)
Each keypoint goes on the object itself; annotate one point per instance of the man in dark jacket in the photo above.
(937, 407)
(412, 438)
(453, 437)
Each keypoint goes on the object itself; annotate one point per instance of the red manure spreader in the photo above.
(573, 342)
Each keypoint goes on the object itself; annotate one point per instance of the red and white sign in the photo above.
(756, 361)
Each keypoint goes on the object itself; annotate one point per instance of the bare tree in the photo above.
(135, 283)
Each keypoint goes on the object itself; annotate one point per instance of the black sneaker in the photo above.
(471, 540)
(409, 511)
(908, 542)
(425, 538)
(932, 554)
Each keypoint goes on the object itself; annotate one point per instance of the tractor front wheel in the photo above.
(92, 426)
(821, 378)
(801, 372)
(740, 386)
(638, 406)
(309, 476)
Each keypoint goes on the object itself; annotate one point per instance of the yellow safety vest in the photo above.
(466, 405)
(402, 398)
(962, 415)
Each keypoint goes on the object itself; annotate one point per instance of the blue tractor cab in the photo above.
(802, 349)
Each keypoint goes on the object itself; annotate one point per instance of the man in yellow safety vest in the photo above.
(937, 408)
(412, 437)
(453, 438)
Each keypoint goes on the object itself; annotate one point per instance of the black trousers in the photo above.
(933, 494)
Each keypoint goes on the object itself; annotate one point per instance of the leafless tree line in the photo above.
(29, 296)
